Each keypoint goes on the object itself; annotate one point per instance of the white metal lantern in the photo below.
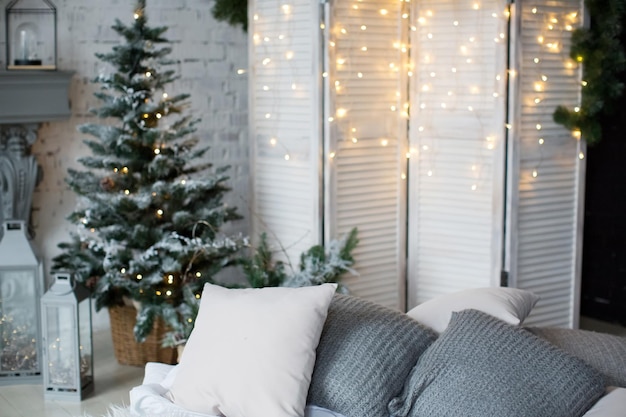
(31, 34)
(21, 286)
(67, 343)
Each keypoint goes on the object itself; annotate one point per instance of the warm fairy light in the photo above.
(170, 279)
(581, 155)
(332, 155)
(287, 157)
(535, 173)
(159, 212)
(136, 16)
(289, 54)
(157, 151)
(577, 134)
(266, 61)
(541, 141)
(198, 274)
(384, 12)
(268, 115)
(286, 8)
(123, 270)
(127, 192)
(165, 95)
(538, 126)
(158, 115)
(241, 71)
(273, 141)
(125, 170)
(139, 277)
(341, 112)
(157, 292)
(384, 142)
(168, 293)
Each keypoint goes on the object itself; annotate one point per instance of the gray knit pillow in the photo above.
(604, 352)
(365, 353)
(481, 366)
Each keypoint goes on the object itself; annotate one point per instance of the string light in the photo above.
(346, 70)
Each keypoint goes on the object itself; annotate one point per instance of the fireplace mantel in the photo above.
(34, 96)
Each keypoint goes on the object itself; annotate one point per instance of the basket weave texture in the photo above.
(127, 350)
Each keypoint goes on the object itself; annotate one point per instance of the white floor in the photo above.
(112, 384)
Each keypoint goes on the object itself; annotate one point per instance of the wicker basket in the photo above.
(127, 350)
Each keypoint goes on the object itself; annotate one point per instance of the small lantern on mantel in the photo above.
(67, 342)
(21, 287)
(31, 33)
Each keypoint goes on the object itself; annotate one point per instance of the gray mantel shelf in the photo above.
(34, 96)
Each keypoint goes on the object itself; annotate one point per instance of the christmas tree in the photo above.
(148, 223)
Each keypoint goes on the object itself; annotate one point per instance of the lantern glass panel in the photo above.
(18, 322)
(61, 346)
(31, 34)
(85, 342)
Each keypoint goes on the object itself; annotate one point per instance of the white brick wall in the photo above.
(209, 52)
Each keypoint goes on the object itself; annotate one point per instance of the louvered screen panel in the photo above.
(367, 142)
(546, 223)
(285, 112)
(457, 128)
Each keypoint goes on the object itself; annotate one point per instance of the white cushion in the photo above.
(511, 305)
(613, 404)
(252, 351)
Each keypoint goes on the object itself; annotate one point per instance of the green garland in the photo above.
(234, 12)
(601, 51)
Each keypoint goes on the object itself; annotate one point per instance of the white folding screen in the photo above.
(457, 137)
(492, 185)
(328, 127)
(496, 189)
(546, 162)
(366, 140)
(285, 123)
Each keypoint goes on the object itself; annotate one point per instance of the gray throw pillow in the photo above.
(606, 353)
(365, 353)
(481, 366)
